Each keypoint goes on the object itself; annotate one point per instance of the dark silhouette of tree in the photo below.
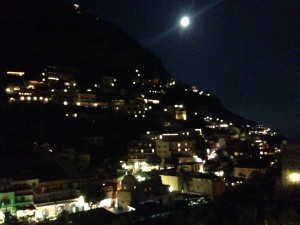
(153, 160)
(92, 192)
(11, 219)
(62, 218)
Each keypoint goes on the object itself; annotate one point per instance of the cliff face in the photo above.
(56, 32)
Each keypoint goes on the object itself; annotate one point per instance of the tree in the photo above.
(153, 160)
(10, 219)
(63, 218)
(92, 191)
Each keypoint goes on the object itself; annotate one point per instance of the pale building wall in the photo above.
(182, 146)
(180, 115)
(30, 182)
(173, 181)
(7, 200)
(85, 99)
(247, 172)
(124, 198)
(201, 186)
(53, 196)
(290, 164)
(162, 149)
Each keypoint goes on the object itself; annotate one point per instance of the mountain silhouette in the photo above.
(56, 32)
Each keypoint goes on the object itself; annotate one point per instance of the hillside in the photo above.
(55, 32)
(86, 85)
(38, 35)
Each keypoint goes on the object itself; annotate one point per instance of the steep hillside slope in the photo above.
(57, 32)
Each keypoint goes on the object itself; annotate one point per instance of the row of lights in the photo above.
(34, 98)
(157, 92)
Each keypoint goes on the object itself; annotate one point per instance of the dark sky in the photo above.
(245, 52)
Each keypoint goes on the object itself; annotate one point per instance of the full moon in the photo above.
(185, 21)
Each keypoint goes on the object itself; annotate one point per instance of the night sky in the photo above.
(247, 53)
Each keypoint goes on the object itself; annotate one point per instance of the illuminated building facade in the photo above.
(134, 192)
(195, 183)
(163, 149)
(290, 166)
(85, 99)
(247, 171)
(39, 200)
(139, 150)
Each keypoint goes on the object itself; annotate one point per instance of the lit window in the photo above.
(294, 177)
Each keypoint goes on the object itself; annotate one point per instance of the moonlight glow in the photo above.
(185, 21)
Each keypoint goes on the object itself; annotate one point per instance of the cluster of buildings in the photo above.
(186, 161)
(37, 200)
(138, 97)
(50, 85)
(180, 171)
(183, 144)
(191, 175)
(197, 164)
(56, 85)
